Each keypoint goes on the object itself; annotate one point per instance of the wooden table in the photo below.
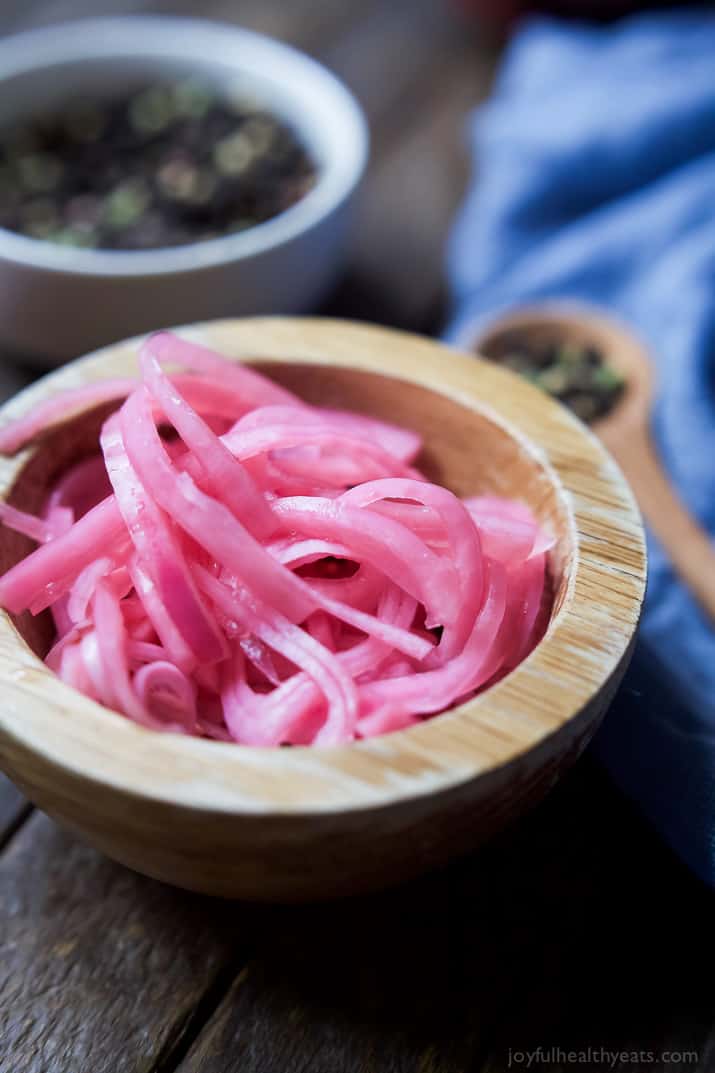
(577, 929)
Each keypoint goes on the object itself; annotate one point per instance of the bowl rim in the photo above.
(185, 38)
(584, 645)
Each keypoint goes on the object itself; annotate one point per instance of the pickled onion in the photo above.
(271, 573)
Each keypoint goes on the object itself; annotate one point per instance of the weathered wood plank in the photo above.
(364, 986)
(610, 940)
(13, 809)
(576, 929)
(101, 969)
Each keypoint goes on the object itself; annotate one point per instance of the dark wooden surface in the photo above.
(577, 929)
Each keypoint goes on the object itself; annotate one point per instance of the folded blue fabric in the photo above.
(595, 182)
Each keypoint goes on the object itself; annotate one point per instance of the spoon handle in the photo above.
(688, 545)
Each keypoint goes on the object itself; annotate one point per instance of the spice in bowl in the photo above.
(168, 164)
(575, 374)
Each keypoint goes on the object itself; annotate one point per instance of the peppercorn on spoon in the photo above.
(625, 429)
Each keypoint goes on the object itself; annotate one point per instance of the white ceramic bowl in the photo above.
(57, 302)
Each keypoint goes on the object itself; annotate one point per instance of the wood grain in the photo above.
(297, 823)
(13, 809)
(516, 946)
(550, 936)
(101, 969)
(592, 962)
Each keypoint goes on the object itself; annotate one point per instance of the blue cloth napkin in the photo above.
(595, 181)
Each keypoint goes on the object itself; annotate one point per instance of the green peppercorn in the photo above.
(234, 154)
(126, 203)
(607, 378)
(192, 99)
(151, 110)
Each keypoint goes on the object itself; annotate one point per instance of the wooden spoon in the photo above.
(625, 430)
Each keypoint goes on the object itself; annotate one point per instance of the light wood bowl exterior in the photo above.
(291, 824)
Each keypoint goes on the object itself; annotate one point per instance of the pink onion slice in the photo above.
(84, 588)
(292, 713)
(403, 443)
(301, 649)
(113, 680)
(299, 439)
(207, 520)
(158, 551)
(463, 539)
(38, 529)
(167, 694)
(224, 472)
(255, 389)
(48, 572)
(432, 691)
(386, 545)
(58, 408)
(508, 530)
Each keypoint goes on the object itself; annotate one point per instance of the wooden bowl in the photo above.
(290, 824)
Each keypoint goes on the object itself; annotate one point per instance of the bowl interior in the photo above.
(467, 450)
